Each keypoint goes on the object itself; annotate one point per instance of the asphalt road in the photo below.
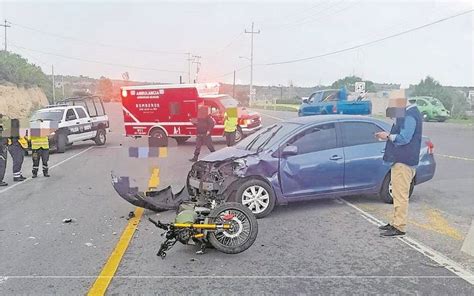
(319, 247)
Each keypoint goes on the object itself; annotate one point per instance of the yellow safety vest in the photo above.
(22, 140)
(230, 124)
(39, 142)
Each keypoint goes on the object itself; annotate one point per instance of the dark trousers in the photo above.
(18, 155)
(230, 138)
(3, 161)
(200, 140)
(38, 154)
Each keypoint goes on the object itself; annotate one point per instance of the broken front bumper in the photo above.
(250, 130)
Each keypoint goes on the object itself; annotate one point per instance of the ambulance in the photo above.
(166, 111)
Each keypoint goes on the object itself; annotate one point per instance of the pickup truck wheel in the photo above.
(386, 192)
(258, 196)
(100, 138)
(61, 143)
(239, 135)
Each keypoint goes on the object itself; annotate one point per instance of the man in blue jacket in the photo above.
(403, 151)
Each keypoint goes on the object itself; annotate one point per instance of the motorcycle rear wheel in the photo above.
(243, 233)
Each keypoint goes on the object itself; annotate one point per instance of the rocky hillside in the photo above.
(19, 102)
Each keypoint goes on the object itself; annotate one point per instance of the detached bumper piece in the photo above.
(158, 201)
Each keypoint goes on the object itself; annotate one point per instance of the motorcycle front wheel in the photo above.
(242, 233)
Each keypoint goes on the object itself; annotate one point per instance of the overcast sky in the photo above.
(155, 35)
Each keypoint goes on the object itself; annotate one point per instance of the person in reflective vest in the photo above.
(40, 151)
(17, 146)
(230, 126)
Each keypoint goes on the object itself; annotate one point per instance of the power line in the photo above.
(369, 42)
(89, 43)
(97, 62)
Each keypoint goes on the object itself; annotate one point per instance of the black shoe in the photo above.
(3, 184)
(34, 176)
(194, 159)
(386, 227)
(46, 174)
(18, 179)
(392, 232)
(23, 178)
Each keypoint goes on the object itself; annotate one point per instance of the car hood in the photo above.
(226, 154)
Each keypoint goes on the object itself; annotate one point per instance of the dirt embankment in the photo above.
(19, 102)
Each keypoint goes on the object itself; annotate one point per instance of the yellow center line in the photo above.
(110, 268)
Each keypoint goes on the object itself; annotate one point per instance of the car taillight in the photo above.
(430, 147)
(241, 121)
(334, 109)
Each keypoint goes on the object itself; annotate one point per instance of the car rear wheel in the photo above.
(101, 137)
(386, 193)
(160, 136)
(258, 196)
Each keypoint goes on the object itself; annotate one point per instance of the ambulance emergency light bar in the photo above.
(203, 89)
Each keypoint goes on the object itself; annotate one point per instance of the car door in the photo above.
(318, 166)
(311, 108)
(85, 125)
(72, 124)
(364, 167)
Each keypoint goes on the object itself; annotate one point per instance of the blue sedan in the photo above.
(301, 159)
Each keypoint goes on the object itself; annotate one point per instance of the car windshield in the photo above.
(267, 137)
(436, 102)
(48, 115)
(229, 102)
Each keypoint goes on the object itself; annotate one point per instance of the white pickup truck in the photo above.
(75, 119)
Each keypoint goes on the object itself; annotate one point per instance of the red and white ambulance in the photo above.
(164, 111)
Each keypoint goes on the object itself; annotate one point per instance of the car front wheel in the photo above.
(258, 196)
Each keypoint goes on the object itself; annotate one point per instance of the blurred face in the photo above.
(396, 107)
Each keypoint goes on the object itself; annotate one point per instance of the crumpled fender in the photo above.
(158, 201)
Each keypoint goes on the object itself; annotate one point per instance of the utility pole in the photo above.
(233, 87)
(62, 84)
(198, 64)
(189, 59)
(5, 26)
(54, 86)
(252, 32)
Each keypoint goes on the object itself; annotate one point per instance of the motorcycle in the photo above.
(229, 227)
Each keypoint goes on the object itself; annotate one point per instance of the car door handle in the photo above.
(335, 157)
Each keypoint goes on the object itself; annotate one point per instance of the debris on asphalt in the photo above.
(32, 237)
(131, 215)
(67, 220)
(114, 233)
(36, 244)
(89, 244)
(193, 259)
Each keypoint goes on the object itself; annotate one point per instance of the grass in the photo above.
(278, 107)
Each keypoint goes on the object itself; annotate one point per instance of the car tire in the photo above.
(160, 134)
(61, 143)
(101, 137)
(386, 192)
(259, 190)
(181, 140)
(239, 135)
(425, 116)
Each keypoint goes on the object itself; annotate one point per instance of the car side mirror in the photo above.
(70, 118)
(289, 151)
(305, 101)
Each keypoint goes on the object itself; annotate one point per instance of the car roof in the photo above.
(331, 117)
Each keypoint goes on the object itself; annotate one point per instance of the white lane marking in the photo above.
(437, 257)
(455, 157)
(51, 167)
(271, 116)
(236, 277)
(468, 244)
